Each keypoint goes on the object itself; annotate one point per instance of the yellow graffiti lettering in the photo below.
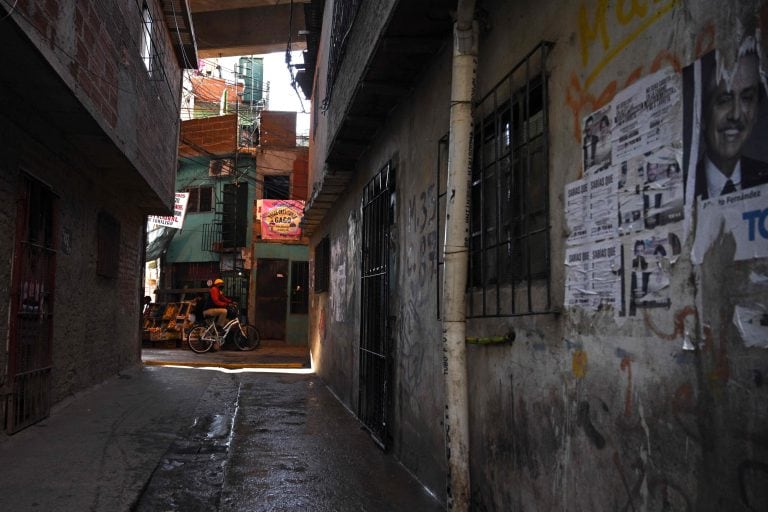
(634, 34)
(637, 10)
(589, 32)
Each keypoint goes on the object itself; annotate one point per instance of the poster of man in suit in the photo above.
(730, 105)
(726, 157)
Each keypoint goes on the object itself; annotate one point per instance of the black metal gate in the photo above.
(30, 326)
(374, 326)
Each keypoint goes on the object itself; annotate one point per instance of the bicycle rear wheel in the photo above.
(200, 340)
(247, 337)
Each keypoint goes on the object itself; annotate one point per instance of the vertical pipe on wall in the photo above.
(456, 256)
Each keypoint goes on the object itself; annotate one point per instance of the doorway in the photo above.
(271, 297)
(375, 343)
(31, 315)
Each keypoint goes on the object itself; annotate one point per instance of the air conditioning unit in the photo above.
(221, 167)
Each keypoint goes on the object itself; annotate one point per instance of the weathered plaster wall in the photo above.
(584, 410)
(335, 314)
(417, 396)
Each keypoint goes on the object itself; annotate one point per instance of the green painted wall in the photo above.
(186, 246)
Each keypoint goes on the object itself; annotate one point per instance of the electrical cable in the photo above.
(13, 8)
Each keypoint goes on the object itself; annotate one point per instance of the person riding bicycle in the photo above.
(217, 303)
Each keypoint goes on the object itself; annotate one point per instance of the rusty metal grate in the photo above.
(30, 327)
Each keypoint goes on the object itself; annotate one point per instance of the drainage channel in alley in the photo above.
(190, 475)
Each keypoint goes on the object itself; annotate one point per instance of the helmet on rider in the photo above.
(218, 282)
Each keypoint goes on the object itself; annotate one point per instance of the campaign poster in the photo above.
(596, 140)
(647, 114)
(603, 206)
(593, 276)
(577, 287)
(280, 218)
(576, 206)
(743, 214)
(605, 275)
(726, 158)
(651, 258)
(663, 189)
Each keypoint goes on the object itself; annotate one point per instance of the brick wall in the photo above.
(208, 136)
(94, 47)
(300, 175)
(278, 129)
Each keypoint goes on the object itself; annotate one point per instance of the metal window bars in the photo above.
(509, 253)
(344, 12)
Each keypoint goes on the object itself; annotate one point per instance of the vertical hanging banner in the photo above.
(280, 218)
(179, 211)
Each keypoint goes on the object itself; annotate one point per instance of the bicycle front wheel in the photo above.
(200, 340)
(247, 337)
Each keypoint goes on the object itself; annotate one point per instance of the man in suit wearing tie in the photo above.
(729, 114)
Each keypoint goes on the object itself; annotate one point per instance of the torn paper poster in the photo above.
(596, 141)
(603, 213)
(576, 195)
(593, 276)
(752, 323)
(651, 190)
(742, 214)
(663, 190)
(648, 114)
(649, 270)
(578, 292)
(724, 156)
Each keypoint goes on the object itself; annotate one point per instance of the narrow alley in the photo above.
(391, 255)
(160, 438)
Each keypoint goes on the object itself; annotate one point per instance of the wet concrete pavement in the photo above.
(162, 439)
(267, 355)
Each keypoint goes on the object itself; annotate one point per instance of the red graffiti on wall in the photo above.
(679, 329)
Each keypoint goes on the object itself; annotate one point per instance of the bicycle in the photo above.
(203, 338)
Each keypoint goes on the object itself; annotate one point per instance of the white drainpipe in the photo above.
(456, 257)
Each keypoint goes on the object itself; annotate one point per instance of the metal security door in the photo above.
(271, 298)
(374, 325)
(30, 327)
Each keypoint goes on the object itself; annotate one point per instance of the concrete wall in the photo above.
(584, 410)
(186, 245)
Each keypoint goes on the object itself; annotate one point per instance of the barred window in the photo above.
(322, 265)
(509, 218)
(344, 12)
(107, 246)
